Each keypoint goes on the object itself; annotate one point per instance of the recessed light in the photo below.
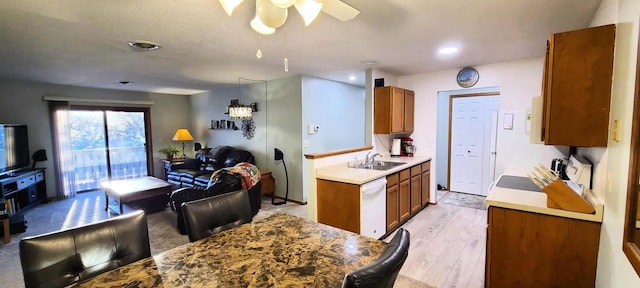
(448, 50)
(352, 78)
(124, 82)
(144, 45)
(369, 62)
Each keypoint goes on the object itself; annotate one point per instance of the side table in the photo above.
(268, 183)
(5, 225)
(167, 163)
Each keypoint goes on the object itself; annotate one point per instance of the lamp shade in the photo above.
(229, 5)
(182, 135)
(269, 14)
(309, 10)
(259, 27)
(283, 3)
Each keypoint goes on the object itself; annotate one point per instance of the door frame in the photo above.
(451, 97)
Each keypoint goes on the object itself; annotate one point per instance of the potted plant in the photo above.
(170, 151)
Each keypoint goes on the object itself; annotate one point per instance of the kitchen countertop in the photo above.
(279, 251)
(536, 202)
(342, 173)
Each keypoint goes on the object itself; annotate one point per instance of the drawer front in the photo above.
(26, 182)
(392, 179)
(426, 166)
(416, 170)
(39, 177)
(404, 174)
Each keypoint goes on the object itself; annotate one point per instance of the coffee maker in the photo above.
(407, 147)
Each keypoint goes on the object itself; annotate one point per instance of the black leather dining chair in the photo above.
(64, 257)
(211, 215)
(382, 273)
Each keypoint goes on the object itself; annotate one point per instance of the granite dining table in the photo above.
(279, 251)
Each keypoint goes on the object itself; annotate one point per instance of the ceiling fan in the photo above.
(271, 14)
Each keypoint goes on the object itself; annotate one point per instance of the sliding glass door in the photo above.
(108, 144)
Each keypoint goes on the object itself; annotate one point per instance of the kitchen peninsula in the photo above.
(343, 201)
(531, 245)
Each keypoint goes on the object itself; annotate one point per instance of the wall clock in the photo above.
(467, 77)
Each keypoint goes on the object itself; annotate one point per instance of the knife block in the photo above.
(561, 196)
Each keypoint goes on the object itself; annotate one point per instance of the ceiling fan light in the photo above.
(269, 14)
(283, 3)
(259, 27)
(309, 10)
(229, 5)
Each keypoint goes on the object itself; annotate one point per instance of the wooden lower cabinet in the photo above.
(416, 189)
(425, 189)
(526, 249)
(393, 198)
(339, 204)
(404, 195)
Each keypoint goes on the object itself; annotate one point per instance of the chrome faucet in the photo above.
(370, 160)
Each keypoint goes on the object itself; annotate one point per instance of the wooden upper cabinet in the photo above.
(577, 87)
(397, 110)
(393, 110)
(409, 101)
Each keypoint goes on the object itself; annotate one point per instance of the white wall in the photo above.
(337, 109)
(212, 106)
(519, 81)
(21, 102)
(614, 269)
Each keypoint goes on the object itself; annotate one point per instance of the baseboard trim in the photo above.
(290, 200)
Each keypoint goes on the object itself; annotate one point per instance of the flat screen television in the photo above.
(14, 148)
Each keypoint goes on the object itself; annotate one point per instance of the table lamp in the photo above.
(182, 135)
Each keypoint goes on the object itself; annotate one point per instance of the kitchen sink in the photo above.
(377, 165)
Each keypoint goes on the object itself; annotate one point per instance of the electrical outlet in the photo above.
(616, 130)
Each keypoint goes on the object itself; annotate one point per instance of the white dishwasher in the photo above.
(373, 208)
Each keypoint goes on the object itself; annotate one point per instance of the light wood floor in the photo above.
(447, 246)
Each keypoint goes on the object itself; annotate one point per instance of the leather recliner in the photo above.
(382, 273)
(226, 183)
(65, 257)
(211, 215)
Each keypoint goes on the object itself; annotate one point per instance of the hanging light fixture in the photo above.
(230, 5)
(270, 14)
(309, 9)
(238, 111)
(283, 3)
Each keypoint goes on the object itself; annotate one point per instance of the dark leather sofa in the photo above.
(194, 178)
(65, 257)
(197, 171)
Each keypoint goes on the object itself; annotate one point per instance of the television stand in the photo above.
(19, 193)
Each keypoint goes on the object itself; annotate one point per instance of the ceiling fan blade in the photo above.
(339, 9)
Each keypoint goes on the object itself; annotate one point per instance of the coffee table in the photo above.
(130, 190)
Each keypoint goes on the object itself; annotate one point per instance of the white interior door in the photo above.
(471, 123)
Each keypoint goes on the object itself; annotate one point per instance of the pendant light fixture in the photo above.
(239, 111)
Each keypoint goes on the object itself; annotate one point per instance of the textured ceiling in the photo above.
(84, 43)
